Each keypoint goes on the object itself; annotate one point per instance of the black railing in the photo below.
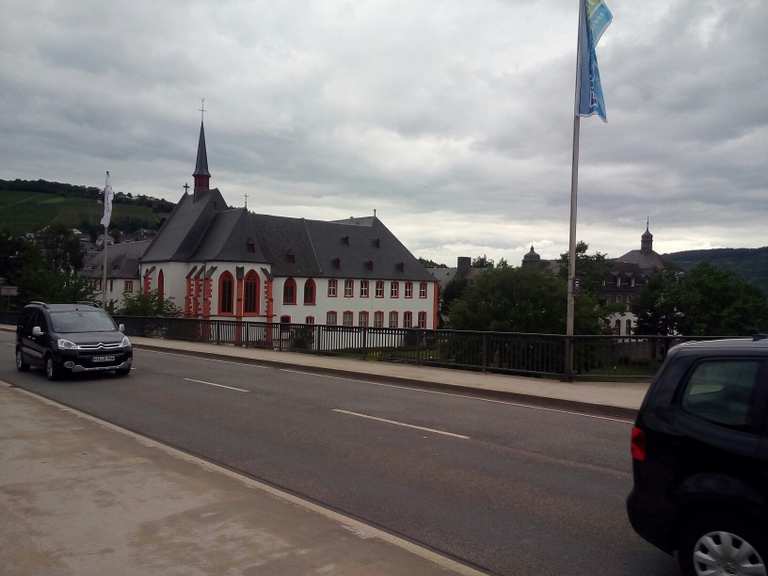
(595, 357)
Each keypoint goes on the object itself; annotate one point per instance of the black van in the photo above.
(71, 338)
(700, 458)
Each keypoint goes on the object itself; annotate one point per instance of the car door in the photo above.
(35, 345)
(719, 421)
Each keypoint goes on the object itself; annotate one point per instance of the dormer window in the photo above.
(345, 240)
(336, 263)
(290, 257)
(376, 243)
(400, 266)
(250, 246)
(369, 265)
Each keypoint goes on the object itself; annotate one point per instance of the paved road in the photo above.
(515, 490)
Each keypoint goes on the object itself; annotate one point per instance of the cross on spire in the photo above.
(245, 196)
(202, 109)
(186, 187)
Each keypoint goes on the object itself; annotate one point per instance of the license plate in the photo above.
(103, 358)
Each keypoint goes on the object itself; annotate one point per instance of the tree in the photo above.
(453, 290)
(482, 262)
(39, 280)
(591, 270)
(61, 247)
(521, 300)
(427, 263)
(151, 304)
(706, 301)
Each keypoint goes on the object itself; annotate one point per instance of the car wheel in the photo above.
(728, 548)
(52, 372)
(21, 366)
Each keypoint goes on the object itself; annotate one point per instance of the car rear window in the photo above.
(82, 321)
(721, 391)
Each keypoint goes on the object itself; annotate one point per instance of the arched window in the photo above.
(378, 319)
(331, 319)
(161, 284)
(309, 291)
(226, 293)
(289, 291)
(629, 327)
(408, 319)
(348, 318)
(393, 319)
(252, 290)
(362, 319)
(422, 319)
(309, 320)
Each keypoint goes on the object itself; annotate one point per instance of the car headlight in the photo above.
(125, 342)
(65, 344)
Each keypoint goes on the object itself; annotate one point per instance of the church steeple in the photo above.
(201, 174)
(646, 240)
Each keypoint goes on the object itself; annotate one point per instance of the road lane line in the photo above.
(467, 396)
(396, 423)
(203, 358)
(217, 385)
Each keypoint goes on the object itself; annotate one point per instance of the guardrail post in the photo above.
(218, 331)
(485, 352)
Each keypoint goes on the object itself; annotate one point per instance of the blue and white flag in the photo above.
(108, 196)
(595, 18)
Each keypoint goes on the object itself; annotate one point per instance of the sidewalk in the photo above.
(627, 396)
(80, 497)
(624, 397)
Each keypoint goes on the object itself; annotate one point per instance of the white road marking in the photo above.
(467, 396)
(396, 423)
(217, 385)
(400, 387)
(204, 358)
(347, 522)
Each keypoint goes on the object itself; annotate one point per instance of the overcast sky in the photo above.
(452, 118)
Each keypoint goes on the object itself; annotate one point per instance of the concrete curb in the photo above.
(542, 401)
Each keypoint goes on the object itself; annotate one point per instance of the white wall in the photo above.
(623, 317)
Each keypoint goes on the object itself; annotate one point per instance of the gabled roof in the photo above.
(645, 260)
(122, 260)
(183, 231)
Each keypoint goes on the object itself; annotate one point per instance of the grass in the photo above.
(22, 211)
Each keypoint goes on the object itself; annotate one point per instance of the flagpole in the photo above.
(571, 305)
(106, 243)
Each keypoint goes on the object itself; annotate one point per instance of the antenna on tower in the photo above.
(202, 109)
(245, 196)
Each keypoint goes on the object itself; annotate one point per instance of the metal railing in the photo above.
(595, 357)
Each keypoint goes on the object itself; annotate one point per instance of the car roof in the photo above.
(63, 307)
(757, 345)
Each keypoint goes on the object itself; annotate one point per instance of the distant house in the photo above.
(122, 270)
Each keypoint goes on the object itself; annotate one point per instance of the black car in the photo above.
(71, 338)
(700, 458)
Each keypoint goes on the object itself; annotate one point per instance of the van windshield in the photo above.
(82, 321)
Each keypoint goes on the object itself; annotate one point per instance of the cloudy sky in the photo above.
(452, 118)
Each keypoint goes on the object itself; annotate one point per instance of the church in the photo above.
(219, 262)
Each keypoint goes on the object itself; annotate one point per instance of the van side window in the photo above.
(721, 391)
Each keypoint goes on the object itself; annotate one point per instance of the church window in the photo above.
(617, 327)
(618, 281)
(160, 284)
(393, 319)
(226, 291)
(251, 300)
(408, 319)
(362, 319)
(332, 287)
(309, 292)
(379, 288)
(330, 318)
(348, 319)
(394, 289)
(422, 319)
(409, 291)
(310, 320)
(289, 291)
(378, 319)
(422, 290)
(349, 288)
(363, 288)
(629, 327)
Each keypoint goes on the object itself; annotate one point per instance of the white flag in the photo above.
(108, 195)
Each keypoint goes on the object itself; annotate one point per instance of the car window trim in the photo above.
(758, 398)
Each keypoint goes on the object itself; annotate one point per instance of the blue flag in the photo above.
(596, 17)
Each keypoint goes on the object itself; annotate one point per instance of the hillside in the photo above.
(28, 206)
(749, 263)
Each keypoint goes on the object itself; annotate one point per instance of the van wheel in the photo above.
(730, 548)
(21, 366)
(52, 372)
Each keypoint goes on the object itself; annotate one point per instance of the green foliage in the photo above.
(751, 264)
(29, 206)
(431, 263)
(706, 301)
(39, 280)
(60, 247)
(453, 290)
(482, 262)
(152, 304)
(591, 270)
(521, 300)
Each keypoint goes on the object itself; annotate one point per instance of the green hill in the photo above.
(749, 263)
(28, 206)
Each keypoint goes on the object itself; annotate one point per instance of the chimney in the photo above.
(463, 264)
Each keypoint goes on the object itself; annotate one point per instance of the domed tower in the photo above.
(531, 258)
(646, 240)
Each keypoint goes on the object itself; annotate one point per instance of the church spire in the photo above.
(201, 174)
(646, 240)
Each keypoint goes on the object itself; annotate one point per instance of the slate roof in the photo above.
(123, 260)
(206, 230)
(201, 166)
(645, 260)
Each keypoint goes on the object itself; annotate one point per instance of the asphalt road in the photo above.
(514, 490)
